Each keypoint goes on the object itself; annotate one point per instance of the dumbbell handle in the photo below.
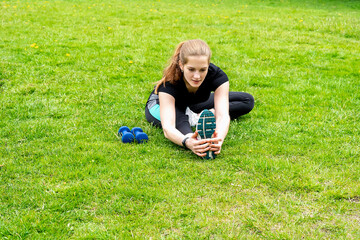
(126, 135)
(136, 130)
(139, 135)
(123, 130)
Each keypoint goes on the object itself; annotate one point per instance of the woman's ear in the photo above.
(181, 66)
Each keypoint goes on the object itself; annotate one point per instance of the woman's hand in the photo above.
(200, 147)
(215, 143)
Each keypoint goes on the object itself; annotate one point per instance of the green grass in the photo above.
(73, 72)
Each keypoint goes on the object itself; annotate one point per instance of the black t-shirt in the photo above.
(183, 98)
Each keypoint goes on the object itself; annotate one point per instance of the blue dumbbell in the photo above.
(140, 136)
(126, 135)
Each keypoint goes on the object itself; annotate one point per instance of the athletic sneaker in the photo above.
(206, 127)
(193, 117)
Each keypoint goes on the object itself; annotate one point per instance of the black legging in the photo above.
(240, 103)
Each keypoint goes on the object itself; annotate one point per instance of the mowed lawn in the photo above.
(73, 72)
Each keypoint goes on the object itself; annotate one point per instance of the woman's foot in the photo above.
(206, 127)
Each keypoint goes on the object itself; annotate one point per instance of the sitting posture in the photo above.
(191, 85)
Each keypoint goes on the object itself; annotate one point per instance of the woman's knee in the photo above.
(251, 101)
(240, 104)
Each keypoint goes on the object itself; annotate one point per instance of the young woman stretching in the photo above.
(186, 89)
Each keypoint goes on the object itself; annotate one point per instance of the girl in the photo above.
(185, 90)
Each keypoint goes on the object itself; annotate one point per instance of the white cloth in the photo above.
(193, 117)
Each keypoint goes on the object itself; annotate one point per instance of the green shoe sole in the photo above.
(206, 127)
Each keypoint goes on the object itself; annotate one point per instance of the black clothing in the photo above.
(240, 103)
(214, 78)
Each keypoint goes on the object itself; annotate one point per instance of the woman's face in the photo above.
(195, 71)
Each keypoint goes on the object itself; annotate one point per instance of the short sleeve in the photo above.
(218, 77)
(168, 88)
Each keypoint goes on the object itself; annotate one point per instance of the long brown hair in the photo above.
(172, 73)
